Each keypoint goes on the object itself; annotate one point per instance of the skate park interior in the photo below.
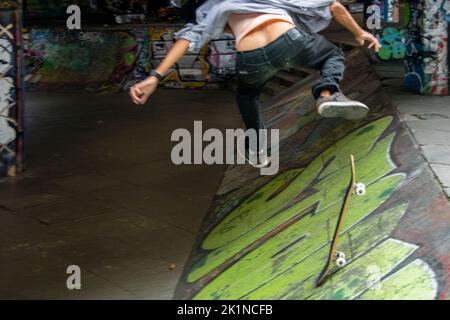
(92, 184)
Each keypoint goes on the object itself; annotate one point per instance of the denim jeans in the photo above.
(294, 48)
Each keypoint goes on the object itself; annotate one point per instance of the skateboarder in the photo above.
(270, 35)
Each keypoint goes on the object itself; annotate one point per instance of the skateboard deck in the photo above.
(333, 254)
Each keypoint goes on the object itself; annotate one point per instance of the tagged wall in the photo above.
(58, 60)
(427, 50)
(415, 32)
(11, 103)
(268, 237)
(213, 63)
(394, 19)
(106, 60)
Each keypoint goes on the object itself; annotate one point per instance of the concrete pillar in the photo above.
(11, 88)
(427, 61)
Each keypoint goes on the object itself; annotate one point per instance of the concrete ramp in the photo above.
(268, 237)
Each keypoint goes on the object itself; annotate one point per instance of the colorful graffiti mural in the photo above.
(445, 9)
(11, 144)
(435, 40)
(70, 61)
(393, 46)
(415, 32)
(427, 50)
(61, 59)
(394, 19)
(268, 238)
(415, 77)
(213, 63)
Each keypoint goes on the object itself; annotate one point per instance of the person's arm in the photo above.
(141, 91)
(191, 38)
(342, 16)
(175, 53)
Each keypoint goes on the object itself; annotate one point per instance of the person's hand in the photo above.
(141, 91)
(370, 38)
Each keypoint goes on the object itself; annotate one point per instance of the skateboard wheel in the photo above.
(340, 262)
(360, 189)
(339, 254)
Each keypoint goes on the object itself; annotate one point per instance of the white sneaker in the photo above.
(262, 160)
(339, 106)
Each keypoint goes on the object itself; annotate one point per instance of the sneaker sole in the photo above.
(255, 165)
(260, 165)
(350, 110)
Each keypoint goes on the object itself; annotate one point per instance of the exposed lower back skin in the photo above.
(263, 35)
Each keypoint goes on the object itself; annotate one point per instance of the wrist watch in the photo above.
(155, 74)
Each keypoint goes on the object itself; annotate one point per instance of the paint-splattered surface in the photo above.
(11, 126)
(268, 237)
(426, 47)
(416, 32)
(113, 59)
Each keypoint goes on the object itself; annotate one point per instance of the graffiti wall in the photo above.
(435, 38)
(394, 19)
(427, 51)
(269, 237)
(59, 59)
(212, 64)
(415, 32)
(113, 59)
(11, 144)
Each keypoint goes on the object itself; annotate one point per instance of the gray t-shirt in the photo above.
(212, 16)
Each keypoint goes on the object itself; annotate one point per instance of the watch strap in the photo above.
(155, 74)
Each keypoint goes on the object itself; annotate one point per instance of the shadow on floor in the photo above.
(101, 192)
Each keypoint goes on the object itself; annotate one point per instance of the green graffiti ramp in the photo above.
(268, 237)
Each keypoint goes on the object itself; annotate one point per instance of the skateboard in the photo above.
(334, 255)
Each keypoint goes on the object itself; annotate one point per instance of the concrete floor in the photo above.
(101, 192)
(428, 117)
